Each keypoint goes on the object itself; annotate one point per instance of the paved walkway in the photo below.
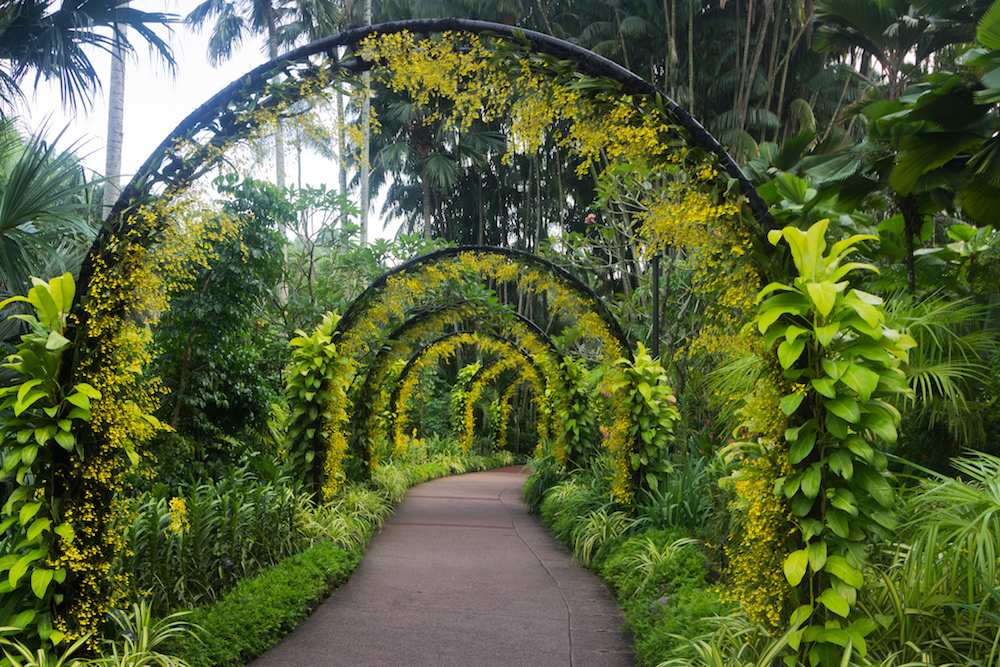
(462, 575)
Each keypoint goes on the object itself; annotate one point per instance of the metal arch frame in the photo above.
(215, 117)
(394, 399)
(357, 307)
(401, 330)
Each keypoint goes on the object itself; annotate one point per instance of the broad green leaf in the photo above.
(837, 521)
(63, 290)
(841, 463)
(801, 447)
(825, 386)
(56, 341)
(836, 426)
(876, 485)
(833, 369)
(25, 387)
(845, 407)
(20, 568)
(772, 287)
(66, 440)
(852, 266)
(789, 352)
(839, 567)
(859, 447)
(791, 402)
(811, 479)
(30, 399)
(826, 334)
(811, 528)
(861, 380)
(40, 580)
(844, 502)
(28, 512)
(79, 399)
(823, 295)
(795, 566)
(881, 426)
(29, 452)
(652, 482)
(41, 298)
(817, 556)
(37, 527)
(87, 390)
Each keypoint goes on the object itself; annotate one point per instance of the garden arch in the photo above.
(118, 287)
(394, 305)
(527, 369)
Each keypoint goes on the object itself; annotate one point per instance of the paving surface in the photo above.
(462, 575)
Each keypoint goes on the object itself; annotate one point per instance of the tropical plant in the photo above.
(843, 366)
(45, 212)
(39, 420)
(55, 43)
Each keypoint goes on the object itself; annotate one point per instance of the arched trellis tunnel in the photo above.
(118, 288)
(401, 310)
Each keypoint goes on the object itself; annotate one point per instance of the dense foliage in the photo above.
(802, 449)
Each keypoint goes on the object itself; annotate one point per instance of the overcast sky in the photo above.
(155, 100)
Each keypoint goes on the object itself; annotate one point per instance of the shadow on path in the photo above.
(462, 575)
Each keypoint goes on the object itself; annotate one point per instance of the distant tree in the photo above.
(212, 338)
(234, 21)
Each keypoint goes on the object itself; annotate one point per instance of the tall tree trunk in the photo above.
(366, 111)
(341, 153)
(911, 227)
(116, 118)
(272, 52)
(691, 105)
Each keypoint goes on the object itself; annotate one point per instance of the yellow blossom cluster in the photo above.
(179, 523)
(126, 292)
(475, 81)
(757, 551)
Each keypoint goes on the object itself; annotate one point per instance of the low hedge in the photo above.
(258, 612)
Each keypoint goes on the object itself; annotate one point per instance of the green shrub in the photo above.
(543, 475)
(654, 563)
(258, 612)
(188, 550)
(661, 625)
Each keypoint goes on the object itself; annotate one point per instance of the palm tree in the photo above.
(235, 20)
(54, 44)
(46, 211)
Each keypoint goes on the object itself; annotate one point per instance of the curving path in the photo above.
(462, 575)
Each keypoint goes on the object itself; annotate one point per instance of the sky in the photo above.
(156, 101)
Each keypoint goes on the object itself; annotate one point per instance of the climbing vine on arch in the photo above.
(119, 290)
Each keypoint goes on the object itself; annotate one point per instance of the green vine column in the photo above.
(316, 390)
(842, 362)
(645, 393)
(38, 425)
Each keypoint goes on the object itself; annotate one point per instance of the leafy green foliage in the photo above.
(843, 363)
(188, 550)
(654, 414)
(259, 611)
(314, 391)
(213, 340)
(38, 421)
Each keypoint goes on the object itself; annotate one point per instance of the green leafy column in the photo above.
(644, 390)
(843, 362)
(316, 390)
(39, 422)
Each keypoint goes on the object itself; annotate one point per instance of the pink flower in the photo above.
(591, 219)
